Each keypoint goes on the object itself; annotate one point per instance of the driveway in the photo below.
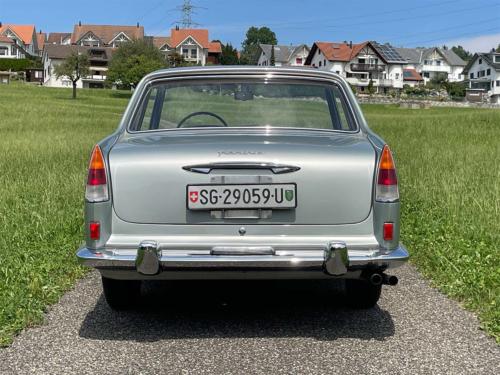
(255, 327)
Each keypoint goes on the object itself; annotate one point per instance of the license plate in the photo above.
(266, 196)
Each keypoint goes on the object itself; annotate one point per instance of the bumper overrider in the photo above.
(334, 259)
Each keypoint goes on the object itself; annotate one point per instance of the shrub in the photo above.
(18, 65)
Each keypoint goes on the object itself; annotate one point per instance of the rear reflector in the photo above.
(95, 231)
(97, 187)
(388, 231)
(387, 181)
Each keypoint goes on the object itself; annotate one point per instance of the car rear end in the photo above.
(276, 175)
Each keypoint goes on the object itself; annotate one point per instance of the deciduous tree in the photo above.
(254, 37)
(74, 67)
(132, 61)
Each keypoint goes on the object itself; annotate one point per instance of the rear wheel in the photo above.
(121, 294)
(362, 294)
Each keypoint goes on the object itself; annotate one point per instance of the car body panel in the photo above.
(148, 189)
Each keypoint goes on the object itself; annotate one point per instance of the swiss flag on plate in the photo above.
(193, 196)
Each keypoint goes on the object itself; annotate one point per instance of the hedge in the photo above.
(18, 65)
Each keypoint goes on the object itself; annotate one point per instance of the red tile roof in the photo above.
(200, 35)
(106, 33)
(40, 39)
(160, 41)
(25, 32)
(58, 38)
(339, 51)
(411, 75)
(4, 39)
(214, 47)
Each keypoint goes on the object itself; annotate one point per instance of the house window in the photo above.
(427, 62)
(397, 75)
(321, 62)
(480, 61)
(426, 74)
(471, 75)
(194, 53)
(185, 53)
(337, 72)
(4, 51)
(319, 52)
(497, 59)
(298, 61)
(438, 62)
(348, 75)
(324, 62)
(488, 72)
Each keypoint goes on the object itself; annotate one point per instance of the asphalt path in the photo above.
(255, 327)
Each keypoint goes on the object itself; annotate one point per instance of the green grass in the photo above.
(45, 141)
(448, 162)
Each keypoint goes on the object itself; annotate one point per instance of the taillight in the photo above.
(387, 181)
(97, 187)
(95, 231)
(388, 231)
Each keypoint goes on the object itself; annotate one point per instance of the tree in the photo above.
(273, 56)
(254, 37)
(370, 88)
(229, 55)
(74, 67)
(132, 61)
(462, 53)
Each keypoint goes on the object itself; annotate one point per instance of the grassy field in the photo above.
(449, 168)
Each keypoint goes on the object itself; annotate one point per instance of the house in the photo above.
(360, 63)
(433, 62)
(55, 54)
(411, 77)
(23, 38)
(105, 35)
(283, 55)
(40, 39)
(482, 74)
(192, 44)
(59, 38)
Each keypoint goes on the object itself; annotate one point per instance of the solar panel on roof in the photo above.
(388, 52)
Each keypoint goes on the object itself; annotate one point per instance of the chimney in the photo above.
(79, 23)
(0, 23)
(40, 31)
(350, 44)
(177, 27)
(137, 24)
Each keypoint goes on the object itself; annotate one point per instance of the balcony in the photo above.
(357, 67)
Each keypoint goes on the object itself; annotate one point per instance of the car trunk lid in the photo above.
(333, 173)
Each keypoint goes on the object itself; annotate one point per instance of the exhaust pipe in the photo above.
(376, 279)
(389, 279)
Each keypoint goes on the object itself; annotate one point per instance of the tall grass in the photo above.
(449, 169)
(448, 162)
(45, 140)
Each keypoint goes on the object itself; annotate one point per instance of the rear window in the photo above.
(243, 104)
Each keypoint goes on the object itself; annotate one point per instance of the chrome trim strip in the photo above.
(207, 168)
(291, 260)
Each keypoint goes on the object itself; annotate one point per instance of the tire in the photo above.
(121, 294)
(362, 294)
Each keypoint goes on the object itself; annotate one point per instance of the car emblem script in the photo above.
(193, 196)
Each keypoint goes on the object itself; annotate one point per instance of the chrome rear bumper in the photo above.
(335, 259)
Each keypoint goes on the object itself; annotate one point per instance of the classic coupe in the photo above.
(242, 173)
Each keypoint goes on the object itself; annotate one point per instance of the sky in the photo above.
(475, 24)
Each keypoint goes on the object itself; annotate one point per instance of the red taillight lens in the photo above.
(388, 231)
(95, 231)
(387, 181)
(97, 188)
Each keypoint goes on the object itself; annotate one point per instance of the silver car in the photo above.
(242, 173)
